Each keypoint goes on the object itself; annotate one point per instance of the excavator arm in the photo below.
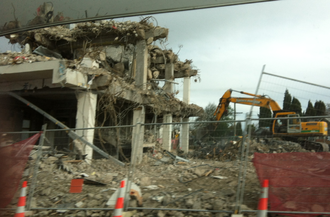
(256, 100)
(281, 127)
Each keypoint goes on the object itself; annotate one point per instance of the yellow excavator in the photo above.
(292, 127)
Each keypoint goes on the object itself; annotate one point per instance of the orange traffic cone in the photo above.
(20, 212)
(118, 212)
(263, 201)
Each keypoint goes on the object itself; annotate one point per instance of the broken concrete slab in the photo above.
(114, 52)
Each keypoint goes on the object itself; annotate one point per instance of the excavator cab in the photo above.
(294, 125)
(286, 126)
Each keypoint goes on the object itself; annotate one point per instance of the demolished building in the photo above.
(96, 74)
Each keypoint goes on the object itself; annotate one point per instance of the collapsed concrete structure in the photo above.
(103, 73)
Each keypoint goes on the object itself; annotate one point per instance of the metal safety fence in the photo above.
(219, 172)
(295, 158)
(167, 179)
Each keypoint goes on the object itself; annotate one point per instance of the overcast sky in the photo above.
(230, 45)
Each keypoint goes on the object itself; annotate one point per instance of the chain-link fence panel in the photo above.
(293, 153)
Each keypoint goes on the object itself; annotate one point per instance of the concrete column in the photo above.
(138, 135)
(184, 140)
(185, 136)
(169, 76)
(141, 64)
(168, 118)
(141, 70)
(167, 132)
(186, 90)
(85, 118)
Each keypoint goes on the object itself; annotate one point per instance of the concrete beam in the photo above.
(29, 71)
(178, 74)
(27, 84)
(185, 73)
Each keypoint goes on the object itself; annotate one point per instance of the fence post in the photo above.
(130, 177)
(35, 171)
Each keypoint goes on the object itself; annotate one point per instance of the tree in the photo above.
(310, 109)
(319, 108)
(328, 109)
(239, 131)
(287, 101)
(253, 128)
(211, 129)
(265, 113)
(295, 106)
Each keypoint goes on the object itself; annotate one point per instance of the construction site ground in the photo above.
(200, 184)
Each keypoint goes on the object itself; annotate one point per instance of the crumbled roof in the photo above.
(110, 46)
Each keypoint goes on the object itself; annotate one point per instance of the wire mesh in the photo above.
(216, 174)
(310, 101)
(275, 87)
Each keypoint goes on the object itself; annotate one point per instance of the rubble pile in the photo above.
(12, 58)
(125, 34)
(232, 150)
(130, 29)
(165, 180)
(164, 183)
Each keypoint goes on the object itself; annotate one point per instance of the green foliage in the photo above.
(320, 108)
(239, 131)
(310, 109)
(253, 127)
(264, 113)
(327, 111)
(212, 129)
(295, 106)
(287, 100)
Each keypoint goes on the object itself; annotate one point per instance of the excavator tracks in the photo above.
(316, 146)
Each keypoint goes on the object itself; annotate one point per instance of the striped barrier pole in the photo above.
(118, 212)
(263, 201)
(20, 212)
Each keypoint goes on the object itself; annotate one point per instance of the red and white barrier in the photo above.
(20, 212)
(118, 212)
(263, 201)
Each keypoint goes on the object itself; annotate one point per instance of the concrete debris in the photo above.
(231, 150)
(211, 185)
(151, 187)
(92, 182)
(43, 51)
(219, 177)
(12, 58)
